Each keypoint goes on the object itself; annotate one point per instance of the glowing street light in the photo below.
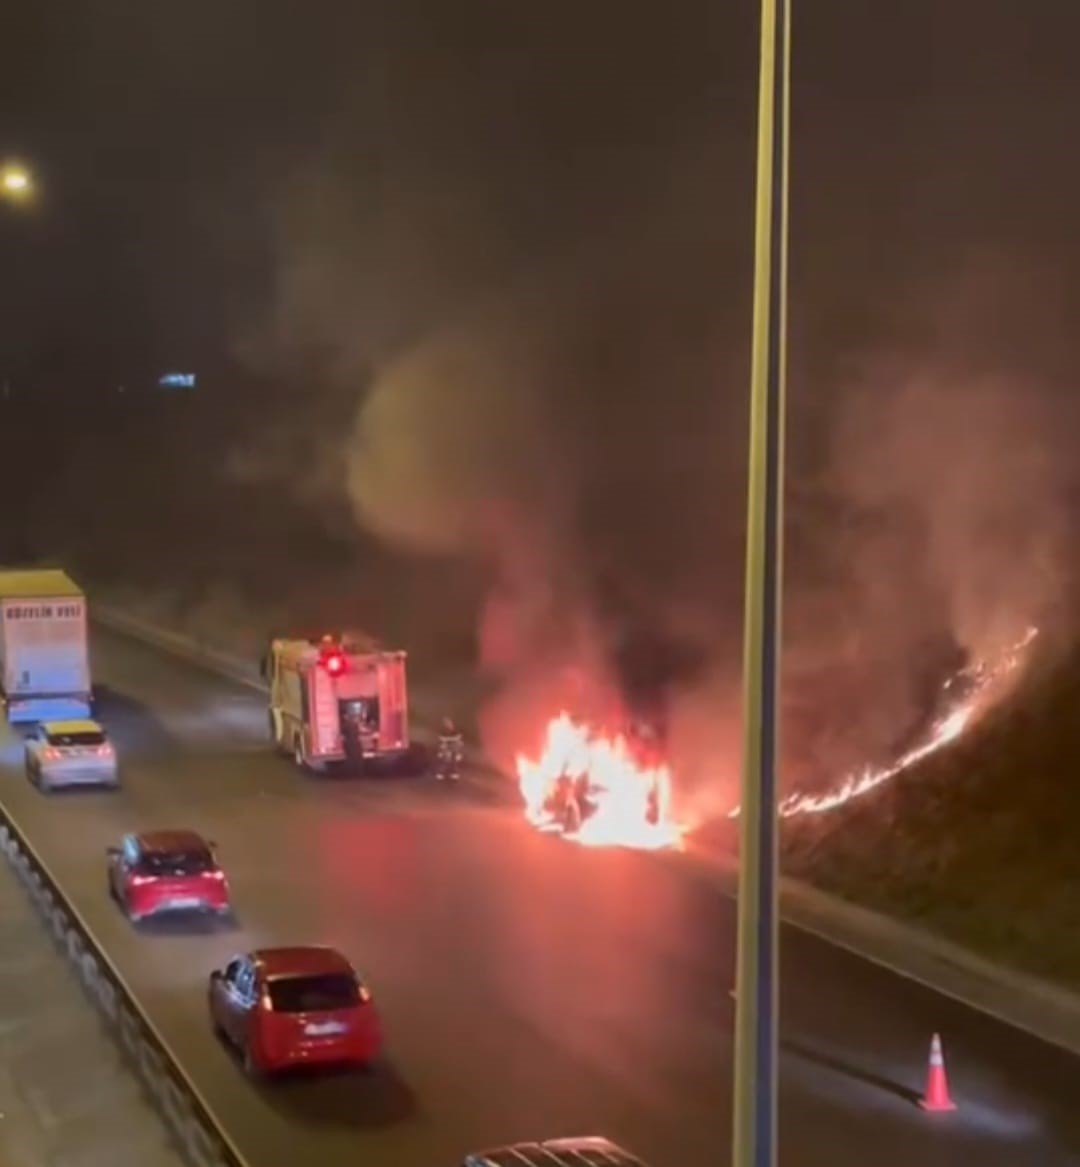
(15, 181)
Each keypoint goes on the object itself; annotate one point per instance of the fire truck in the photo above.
(334, 701)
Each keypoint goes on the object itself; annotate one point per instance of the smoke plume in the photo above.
(544, 326)
(602, 488)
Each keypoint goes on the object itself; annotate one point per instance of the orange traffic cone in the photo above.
(936, 1099)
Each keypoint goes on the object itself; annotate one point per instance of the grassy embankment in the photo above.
(981, 843)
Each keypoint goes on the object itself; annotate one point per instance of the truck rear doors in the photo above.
(46, 671)
(393, 702)
(324, 718)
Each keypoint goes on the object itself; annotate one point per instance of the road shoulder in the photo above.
(66, 1095)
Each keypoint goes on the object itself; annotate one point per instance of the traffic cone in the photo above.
(936, 1099)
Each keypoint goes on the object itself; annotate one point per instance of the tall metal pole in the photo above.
(757, 997)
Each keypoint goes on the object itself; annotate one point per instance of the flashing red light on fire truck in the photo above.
(332, 658)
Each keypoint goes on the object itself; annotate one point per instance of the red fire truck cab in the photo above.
(334, 701)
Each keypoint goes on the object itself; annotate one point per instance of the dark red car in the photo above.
(164, 871)
(286, 1007)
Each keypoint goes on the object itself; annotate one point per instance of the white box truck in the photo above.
(44, 661)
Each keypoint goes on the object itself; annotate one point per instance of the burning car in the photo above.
(599, 788)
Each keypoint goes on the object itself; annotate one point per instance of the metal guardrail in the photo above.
(196, 1129)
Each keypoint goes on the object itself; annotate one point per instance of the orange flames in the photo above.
(592, 788)
(985, 680)
(628, 802)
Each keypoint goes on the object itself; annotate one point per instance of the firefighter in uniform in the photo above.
(449, 752)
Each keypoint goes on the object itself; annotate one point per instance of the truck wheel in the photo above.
(275, 734)
(302, 761)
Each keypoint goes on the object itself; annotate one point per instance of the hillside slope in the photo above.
(981, 843)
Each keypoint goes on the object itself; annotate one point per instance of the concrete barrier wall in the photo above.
(195, 1128)
(1038, 1007)
(188, 647)
(424, 715)
(1024, 1002)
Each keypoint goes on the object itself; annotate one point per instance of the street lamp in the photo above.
(757, 997)
(16, 182)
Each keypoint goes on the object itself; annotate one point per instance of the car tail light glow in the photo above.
(141, 880)
(265, 1004)
(105, 751)
(365, 994)
(50, 754)
(217, 876)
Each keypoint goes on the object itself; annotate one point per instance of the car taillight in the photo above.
(141, 880)
(50, 755)
(265, 1004)
(365, 994)
(105, 751)
(218, 876)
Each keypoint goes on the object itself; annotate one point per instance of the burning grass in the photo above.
(978, 842)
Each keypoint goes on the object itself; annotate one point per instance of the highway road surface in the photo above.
(529, 987)
(66, 1095)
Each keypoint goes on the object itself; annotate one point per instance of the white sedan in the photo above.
(70, 753)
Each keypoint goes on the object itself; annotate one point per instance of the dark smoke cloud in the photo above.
(603, 487)
(528, 432)
(944, 539)
(547, 355)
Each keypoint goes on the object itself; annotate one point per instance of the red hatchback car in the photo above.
(162, 871)
(286, 1007)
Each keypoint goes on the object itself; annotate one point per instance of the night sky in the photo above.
(461, 141)
(474, 278)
